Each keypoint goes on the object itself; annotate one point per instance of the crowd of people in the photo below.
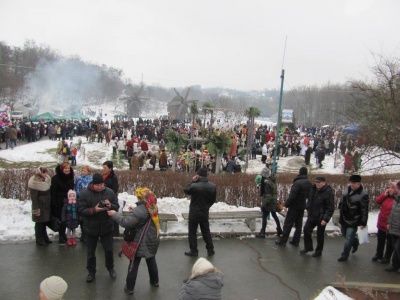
(91, 202)
(318, 200)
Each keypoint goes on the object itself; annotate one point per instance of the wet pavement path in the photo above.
(253, 269)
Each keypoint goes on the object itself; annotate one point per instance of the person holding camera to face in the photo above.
(94, 203)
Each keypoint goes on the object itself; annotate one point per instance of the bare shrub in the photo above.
(236, 189)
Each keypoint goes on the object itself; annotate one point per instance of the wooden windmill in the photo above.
(178, 107)
(135, 102)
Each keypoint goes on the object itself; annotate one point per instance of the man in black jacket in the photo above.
(94, 203)
(296, 203)
(353, 213)
(203, 195)
(320, 208)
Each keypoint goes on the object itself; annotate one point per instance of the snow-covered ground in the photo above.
(16, 224)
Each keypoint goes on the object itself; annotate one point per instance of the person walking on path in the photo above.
(385, 201)
(296, 203)
(320, 207)
(268, 190)
(203, 195)
(394, 231)
(93, 205)
(353, 213)
(146, 210)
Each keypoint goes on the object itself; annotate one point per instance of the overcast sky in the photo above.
(226, 43)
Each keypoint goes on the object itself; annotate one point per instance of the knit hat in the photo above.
(97, 178)
(303, 171)
(53, 287)
(355, 178)
(202, 172)
(71, 192)
(265, 172)
(201, 266)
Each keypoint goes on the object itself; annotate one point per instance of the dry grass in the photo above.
(236, 189)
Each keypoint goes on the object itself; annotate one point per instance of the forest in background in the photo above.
(40, 75)
(31, 73)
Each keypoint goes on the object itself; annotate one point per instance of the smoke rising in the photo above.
(64, 86)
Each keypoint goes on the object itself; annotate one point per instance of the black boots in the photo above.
(278, 231)
(261, 235)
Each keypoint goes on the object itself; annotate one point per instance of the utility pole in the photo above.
(278, 125)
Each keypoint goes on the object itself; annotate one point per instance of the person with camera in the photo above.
(203, 194)
(143, 219)
(94, 203)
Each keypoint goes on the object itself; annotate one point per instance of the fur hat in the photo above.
(355, 178)
(303, 171)
(53, 287)
(97, 178)
(202, 266)
(202, 172)
(265, 172)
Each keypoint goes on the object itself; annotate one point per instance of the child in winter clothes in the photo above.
(70, 217)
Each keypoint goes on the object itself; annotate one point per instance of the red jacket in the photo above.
(385, 203)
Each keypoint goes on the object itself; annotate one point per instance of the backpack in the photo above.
(258, 179)
(64, 150)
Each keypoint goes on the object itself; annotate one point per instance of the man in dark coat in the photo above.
(296, 203)
(203, 195)
(111, 181)
(353, 213)
(320, 208)
(94, 203)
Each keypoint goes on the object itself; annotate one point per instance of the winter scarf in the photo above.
(150, 201)
(39, 182)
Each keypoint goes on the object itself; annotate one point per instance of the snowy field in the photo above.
(16, 225)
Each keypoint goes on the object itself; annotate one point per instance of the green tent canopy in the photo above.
(47, 116)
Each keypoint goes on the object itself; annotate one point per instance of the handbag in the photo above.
(129, 249)
(129, 234)
(279, 206)
(54, 224)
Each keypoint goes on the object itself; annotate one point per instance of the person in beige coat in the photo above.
(39, 186)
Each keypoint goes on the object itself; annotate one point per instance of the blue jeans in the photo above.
(349, 233)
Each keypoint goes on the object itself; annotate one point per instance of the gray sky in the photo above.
(226, 43)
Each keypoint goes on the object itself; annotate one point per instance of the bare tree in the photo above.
(376, 109)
